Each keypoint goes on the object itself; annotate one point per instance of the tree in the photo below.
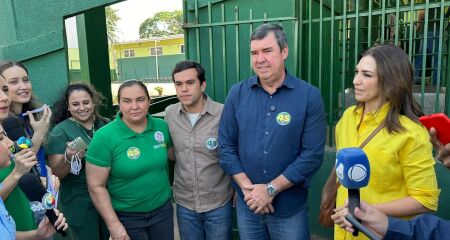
(111, 24)
(162, 24)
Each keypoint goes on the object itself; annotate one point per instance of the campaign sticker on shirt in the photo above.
(133, 153)
(212, 143)
(283, 118)
(159, 136)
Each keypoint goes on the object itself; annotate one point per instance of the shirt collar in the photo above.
(126, 132)
(207, 108)
(376, 116)
(288, 81)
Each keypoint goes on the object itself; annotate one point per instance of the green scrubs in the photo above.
(76, 204)
(138, 180)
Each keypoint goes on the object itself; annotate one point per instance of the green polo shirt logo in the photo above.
(133, 153)
(283, 118)
(159, 137)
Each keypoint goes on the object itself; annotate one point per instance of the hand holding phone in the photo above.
(441, 123)
(77, 144)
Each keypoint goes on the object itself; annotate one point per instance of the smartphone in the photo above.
(37, 110)
(78, 144)
(441, 123)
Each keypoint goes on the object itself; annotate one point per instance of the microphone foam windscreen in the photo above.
(352, 168)
(31, 185)
(14, 127)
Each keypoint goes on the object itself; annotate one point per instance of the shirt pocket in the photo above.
(208, 143)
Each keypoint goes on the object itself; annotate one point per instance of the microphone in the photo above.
(14, 128)
(361, 227)
(39, 197)
(353, 172)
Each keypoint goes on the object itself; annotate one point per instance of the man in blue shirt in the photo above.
(271, 141)
(426, 226)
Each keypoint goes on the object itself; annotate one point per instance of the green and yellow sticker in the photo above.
(133, 153)
(283, 118)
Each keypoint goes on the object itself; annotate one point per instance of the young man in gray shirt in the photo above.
(201, 189)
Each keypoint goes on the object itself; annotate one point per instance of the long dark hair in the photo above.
(62, 105)
(395, 78)
(33, 103)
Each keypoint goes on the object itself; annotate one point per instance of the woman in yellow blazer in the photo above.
(402, 180)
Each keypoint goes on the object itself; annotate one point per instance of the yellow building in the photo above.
(161, 46)
(171, 45)
(151, 60)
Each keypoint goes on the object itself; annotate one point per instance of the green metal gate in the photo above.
(218, 35)
(325, 38)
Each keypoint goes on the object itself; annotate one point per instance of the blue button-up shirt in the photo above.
(425, 226)
(7, 224)
(267, 135)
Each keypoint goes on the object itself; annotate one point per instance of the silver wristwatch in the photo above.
(271, 190)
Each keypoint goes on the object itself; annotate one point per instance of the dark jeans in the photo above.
(267, 226)
(212, 225)
(156, 224)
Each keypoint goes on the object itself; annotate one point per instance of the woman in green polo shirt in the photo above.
(129, 155)
(76, 116)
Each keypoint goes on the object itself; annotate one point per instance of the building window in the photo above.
(129, 53)
(182, 48)
(156, 51)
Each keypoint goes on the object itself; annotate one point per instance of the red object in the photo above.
(441, 123)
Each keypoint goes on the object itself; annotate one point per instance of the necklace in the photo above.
(88, 133)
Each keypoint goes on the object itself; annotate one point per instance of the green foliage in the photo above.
(111, 24)
(162, 24)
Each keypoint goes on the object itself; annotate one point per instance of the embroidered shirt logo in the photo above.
(212, 143)
(133, 153)
(283, 118)
(159, 136)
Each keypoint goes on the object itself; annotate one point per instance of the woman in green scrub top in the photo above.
(130, 155)
(76, 116)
